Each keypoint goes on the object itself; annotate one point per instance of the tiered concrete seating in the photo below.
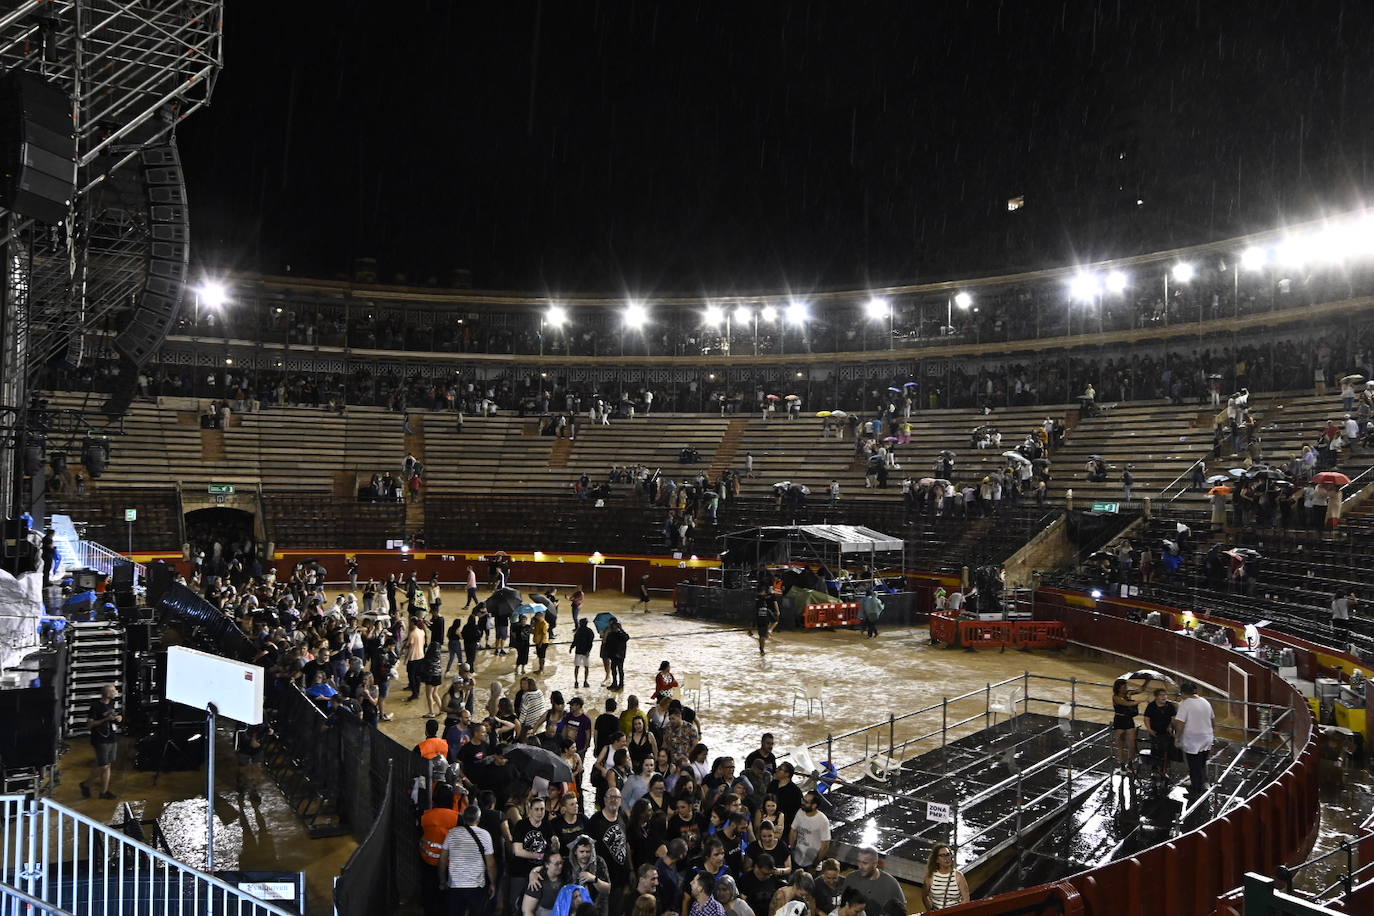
(293, 448)
(794, 450)
(158, 526)
(310, 520)
(1162, 442)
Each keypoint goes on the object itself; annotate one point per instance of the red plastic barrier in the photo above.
(994, 634)
(833, 614)
(944, 627)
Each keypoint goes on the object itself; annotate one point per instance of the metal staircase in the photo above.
(95, 658)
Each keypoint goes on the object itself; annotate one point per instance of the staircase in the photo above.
(415, 445)
(559, 454)
(96, 658)
(212, 445)
(724, 458)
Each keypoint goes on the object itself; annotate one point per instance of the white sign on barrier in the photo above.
(940, 814)
(199, 679)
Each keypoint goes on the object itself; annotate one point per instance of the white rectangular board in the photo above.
(197, 679)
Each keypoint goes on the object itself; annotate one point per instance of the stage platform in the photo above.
(1075, 809)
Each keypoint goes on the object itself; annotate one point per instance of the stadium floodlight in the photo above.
(213, 294)
(1085, 286)
(1254, 258)
(797, 313)
(1183, 272)
(768, 313)
(963, 300)
(556, 316)
(1294, 251)
(713, 316)
(877, 308)
(635, 316)
(1116, 282)
(743, 313)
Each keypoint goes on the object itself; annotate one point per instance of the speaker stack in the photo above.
(168, 255)
(37, 148)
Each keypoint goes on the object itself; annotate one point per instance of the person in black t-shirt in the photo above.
(764, 752)
(569, 824)
(684, 824)
(606, 726)
(103, 721)
(765, 619)
(608, 828)
(758, 885)
(1160, 713)
(529, 840)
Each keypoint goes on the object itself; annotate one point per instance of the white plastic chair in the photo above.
(692, 683)
(811, 694)
(881, 768)
(1006, 703)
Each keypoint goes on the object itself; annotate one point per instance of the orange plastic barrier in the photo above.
(835, 614)
(944, 628)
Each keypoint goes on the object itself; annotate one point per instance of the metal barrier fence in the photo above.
(330, 766)
(58, 861)
(367, 883)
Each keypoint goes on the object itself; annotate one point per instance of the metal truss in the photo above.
(133, 70)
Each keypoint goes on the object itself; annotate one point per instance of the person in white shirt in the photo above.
(834, 491)
(956, 601)
(467, 865)
(1192, 728)
(809, 835)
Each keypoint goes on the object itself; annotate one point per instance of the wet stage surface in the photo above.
(862, 681)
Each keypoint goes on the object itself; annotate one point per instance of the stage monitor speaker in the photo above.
(37, 147)
(123, 576)
(28, 728)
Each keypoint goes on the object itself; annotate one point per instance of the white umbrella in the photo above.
(1016, 456)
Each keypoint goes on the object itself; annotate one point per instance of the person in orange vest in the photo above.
(433, 746)
(434, 827)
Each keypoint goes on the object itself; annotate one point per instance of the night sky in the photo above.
(654, 147)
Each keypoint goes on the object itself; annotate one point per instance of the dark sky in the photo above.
(649, 147)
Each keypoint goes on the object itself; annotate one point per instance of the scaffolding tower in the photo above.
(132, 71)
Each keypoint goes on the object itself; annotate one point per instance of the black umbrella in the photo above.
(530, 761)
(946, 453)
(504, 599)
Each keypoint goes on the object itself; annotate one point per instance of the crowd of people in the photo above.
(532, 806)
(1259, 359)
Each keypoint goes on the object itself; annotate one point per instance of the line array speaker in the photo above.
(37, 147)
(169, 252)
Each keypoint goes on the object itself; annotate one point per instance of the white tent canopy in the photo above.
(853, 538)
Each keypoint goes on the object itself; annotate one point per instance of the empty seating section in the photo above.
(306, 520)
(295, 447)
(1295, 576)
(157, 528)
(506, 455)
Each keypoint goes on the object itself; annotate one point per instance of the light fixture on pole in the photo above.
(555, 317)
(745, 316)
(878, 308)
(1182, 273)
(961, 299)
(634, 318)
(213, 294)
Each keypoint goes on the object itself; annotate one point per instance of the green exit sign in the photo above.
(130, 515)
(221, 489)
(1106, 507)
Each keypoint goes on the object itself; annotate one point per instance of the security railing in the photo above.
(91, 555)
(57, 861)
